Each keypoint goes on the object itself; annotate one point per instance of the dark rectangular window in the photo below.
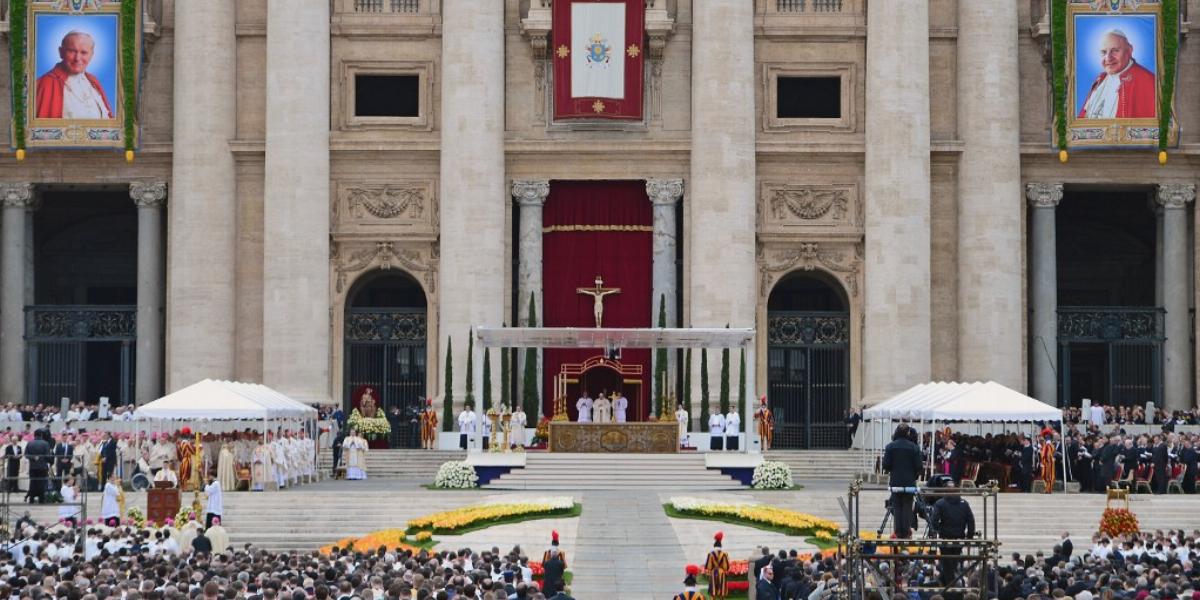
(387, 95)
(808, 98)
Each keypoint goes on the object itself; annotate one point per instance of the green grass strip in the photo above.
(564, 513)
(808, 534)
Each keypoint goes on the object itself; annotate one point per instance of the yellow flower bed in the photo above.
(391, 538)
(453, 520)
(781, 518)
(424, 536)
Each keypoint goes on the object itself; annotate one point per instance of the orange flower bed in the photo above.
(389, 538)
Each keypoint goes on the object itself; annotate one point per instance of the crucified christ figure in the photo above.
(598, 293)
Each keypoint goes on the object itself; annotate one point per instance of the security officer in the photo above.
(952, 519)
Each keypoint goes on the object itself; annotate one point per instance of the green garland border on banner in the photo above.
(129, 68)
(18, 19)
(1166, 92)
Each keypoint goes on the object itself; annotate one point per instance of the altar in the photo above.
(640, 438)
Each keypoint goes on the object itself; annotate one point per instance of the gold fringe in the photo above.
(562, 228)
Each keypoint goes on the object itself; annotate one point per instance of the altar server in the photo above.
(716, 431)
(733, 424)
(681, 417)
(621, 407)
(584, 406)
(215, 505)
(517, 435)
(466, 425)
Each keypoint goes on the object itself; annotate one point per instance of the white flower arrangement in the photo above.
(689, 503)
(456, 474)
(772, 475)
(369, 428)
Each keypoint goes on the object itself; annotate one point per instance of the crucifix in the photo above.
(598, 293)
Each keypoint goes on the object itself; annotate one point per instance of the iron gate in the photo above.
(385, 349)
(808, 374)
(1133, 340)
(57, 337)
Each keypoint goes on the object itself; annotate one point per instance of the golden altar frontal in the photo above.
(637, 438)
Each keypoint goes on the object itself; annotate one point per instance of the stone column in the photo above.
(149, 198)
(531, 197)
(897, 337)
(472, 174)
(1043, 291)
(721, 260)
(17, 198)
(990, 298)
(1177, 350)
(296, 346)
(201, 238)
(664, 195)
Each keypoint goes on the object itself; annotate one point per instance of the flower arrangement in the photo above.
(537, 569)
(772, 475)
(1118, 521)
(468, 516)
(370, 428)
(423, 536)
(184, 515)
(456, 474)
(136, 515)
(786, 521)
(392, 539)
(541, 435)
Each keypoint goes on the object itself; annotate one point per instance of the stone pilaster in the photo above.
(472, 175)
(296, 193)
(16, 198)
(664, 195)
(897, 338)
(201, 238)
(1177, 350)
(149, 197)
(1043, 290)
(989, 190)
(721, 258)
(530, 196)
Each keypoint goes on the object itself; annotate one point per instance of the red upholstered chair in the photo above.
(1176, 481)
(1141, 479)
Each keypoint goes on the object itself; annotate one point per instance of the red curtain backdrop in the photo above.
(595, 228)
(627, 108)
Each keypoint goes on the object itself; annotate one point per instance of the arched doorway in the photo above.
(808, 361)
(385, 337)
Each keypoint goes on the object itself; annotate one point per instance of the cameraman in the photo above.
(902, 460)
(952, 519)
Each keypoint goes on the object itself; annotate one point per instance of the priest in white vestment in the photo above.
(218, 536)
(261, 468)
(466, 426)
(226, 471)
(110, 504)
(733, 424)
(621, 407)
(681, 417)
(716, 431)
(602, 409)
(355, 451)
(584, 406)
(517, 424)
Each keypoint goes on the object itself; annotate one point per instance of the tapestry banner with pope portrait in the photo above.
(598, 55)
(76, 68)
(1114, 73)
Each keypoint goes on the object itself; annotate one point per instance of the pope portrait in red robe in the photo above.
(1124, 89)
(68, 91)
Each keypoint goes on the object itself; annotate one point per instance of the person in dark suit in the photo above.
(761, 562)
(12, 464)
(1025, 465)
(1108, 464)
(553, 574)
(1161, 473)
(201, 544)
(108, 456)
(1067, 547)
(902, 460)
(337, 449)
(38, 454)
(764, 588)
(1191, 460)
(63, 453)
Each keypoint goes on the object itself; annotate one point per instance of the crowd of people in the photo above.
(75, 413)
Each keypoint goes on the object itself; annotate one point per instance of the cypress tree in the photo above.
(448, 388)
(660, 362)
(742, 385)
(704, 385)
(724, 380)
(487, 380)
(471, 369)
(529, 384)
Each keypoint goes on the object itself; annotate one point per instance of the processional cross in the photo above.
(598, 293)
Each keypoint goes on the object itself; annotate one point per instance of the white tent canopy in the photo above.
(224, 400)
(951, 401)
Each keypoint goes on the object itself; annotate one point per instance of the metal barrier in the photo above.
(887, 566)
(20, 495)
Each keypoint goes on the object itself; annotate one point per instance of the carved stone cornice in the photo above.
(659, 28)
(148, 194)
(18, 195)
(536, 26)
(664, 191)
(1175, 195)
(421, 262)
(530, 192)
(1044, 195)
(844, 261)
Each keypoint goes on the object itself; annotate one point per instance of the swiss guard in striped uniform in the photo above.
(717, 569)
(1046, 455)
(689, 590)
(554, 544)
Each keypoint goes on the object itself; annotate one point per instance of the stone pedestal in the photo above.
(16, 198)
(149, 198)
(530, 196)
(296, 196)
(1177, 350)
(201, 236)
(989, 191)
(664, 195)
(897, 340)
(721, 220)
(1043, 290)
(473, 270)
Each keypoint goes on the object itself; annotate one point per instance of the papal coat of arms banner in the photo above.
(597, 49)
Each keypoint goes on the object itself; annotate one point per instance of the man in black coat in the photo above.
(201, 544)
(12, 465)
(1025, 465)
(764, 588)
(108, 456)
(337, 449)
(38, 454)
(63, 453)
(1067, 546)
(952, 519)
(1108, 463)
(553, 576)
(1190, 459)
(1160, 467)
(902, 460)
